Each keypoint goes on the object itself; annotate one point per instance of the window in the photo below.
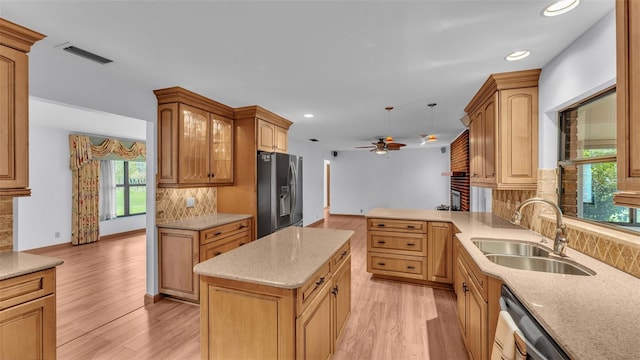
(131, 189)
(587, 162)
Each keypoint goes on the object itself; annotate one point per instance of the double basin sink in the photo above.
(527, 256)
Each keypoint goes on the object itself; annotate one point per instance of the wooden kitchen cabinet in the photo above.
(252, 126)
(195, 140)
(478, 304)
(314, 336)
(28, 316)
(15, 43)
(440, 250)
(341, 292)
(271, 137)
(628, 106)
(503, 134)
(410, 250)
(180, 250)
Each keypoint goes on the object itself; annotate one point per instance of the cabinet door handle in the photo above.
(464, 287)
(319, 282)
(335, 291)
(382, 264)
(411, 267)
(382, 242)
(411, 244)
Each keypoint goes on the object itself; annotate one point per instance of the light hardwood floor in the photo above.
(101, 312)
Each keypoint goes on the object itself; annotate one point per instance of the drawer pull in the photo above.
(242, 226)
(217, 253)
(381, 264)
(411, 267)
(382, 242)
(241, 244)
(380, 225)
(344, 253)
(411, 244)
(410, 227)
(217, 233)
(319, 282)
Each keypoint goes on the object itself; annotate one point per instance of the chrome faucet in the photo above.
(560, 242)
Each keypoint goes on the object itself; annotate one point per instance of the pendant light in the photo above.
(432, 136)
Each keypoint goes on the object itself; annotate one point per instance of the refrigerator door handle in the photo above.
(294, 183)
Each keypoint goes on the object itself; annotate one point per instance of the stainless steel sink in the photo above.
(543, 264)
(509, 247)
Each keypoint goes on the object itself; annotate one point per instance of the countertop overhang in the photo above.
(203, 222)
(14, 263)
(591, 317)
(285, 259)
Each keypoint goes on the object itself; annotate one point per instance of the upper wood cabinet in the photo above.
(628, 107)
(503, 133)
(271, 137)
(195, 140)
(15, 43)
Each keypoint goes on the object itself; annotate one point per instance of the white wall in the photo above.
(47, 211)
(409, 178)
(314, 156)
(585, 67)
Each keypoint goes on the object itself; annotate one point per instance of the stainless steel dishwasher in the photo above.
(540, 345)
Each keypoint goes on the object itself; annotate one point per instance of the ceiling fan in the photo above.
(384, 144)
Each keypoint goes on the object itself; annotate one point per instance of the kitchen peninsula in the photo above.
(283, 296)
(590, 317)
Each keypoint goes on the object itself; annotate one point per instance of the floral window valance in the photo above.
(83, 149)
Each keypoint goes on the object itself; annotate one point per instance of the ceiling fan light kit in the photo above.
(432, 136)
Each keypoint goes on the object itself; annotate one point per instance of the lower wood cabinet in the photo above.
(478, 305)
(28, 316)
(180, 250)
(410, 249)
(242, 320)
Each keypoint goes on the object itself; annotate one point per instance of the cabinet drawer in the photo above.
(219, 232)
(397, 265)
(398, 225)
(311, 288)
(340, 256)
(27, 287)
(398, 243)
(229, 243)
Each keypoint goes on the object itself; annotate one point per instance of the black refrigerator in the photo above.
(279, 192)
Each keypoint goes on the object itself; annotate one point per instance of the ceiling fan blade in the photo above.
(395, 146)
(365, 147)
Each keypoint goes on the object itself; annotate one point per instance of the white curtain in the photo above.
(107, 197)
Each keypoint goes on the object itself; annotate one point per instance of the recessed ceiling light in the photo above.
(517, 55)
(560, 7)
(308, 116)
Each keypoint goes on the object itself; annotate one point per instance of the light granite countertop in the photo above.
(590, 317)
(14, 263)
(285, 259)
(199, 223)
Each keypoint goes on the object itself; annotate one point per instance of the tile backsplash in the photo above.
(171, 204)
(585, 237)
(6, 224)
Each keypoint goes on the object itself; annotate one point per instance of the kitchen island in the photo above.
(283, 296)
(590, 317)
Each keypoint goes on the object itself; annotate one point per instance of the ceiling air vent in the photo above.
(87, 55)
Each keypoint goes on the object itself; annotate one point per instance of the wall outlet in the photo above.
(360, 211)
(56, 234)
(191, 202)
